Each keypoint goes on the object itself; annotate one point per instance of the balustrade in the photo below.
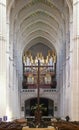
(34, 90)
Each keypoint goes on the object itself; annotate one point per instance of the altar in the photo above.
(51, 128)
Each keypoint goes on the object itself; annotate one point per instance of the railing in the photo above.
(28, 90)
(50, 90)
(34, 90)
(43, 117)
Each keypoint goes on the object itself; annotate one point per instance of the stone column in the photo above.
(2, 58)
(75, 64)
(61, 85)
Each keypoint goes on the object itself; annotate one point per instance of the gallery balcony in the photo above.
(32, 93)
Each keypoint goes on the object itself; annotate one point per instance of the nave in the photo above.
(33, 31)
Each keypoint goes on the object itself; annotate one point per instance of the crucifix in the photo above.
(38, 112)
(38, 94)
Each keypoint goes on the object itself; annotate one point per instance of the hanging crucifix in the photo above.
(38, 113)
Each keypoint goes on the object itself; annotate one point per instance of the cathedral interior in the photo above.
(39, 60)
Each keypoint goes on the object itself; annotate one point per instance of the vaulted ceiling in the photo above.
(38, 21)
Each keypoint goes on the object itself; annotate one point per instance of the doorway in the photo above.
(47, 104)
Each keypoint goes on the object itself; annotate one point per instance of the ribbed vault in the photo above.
(38, 18)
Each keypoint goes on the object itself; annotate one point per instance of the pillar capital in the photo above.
(3, 3)
(75, 2)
